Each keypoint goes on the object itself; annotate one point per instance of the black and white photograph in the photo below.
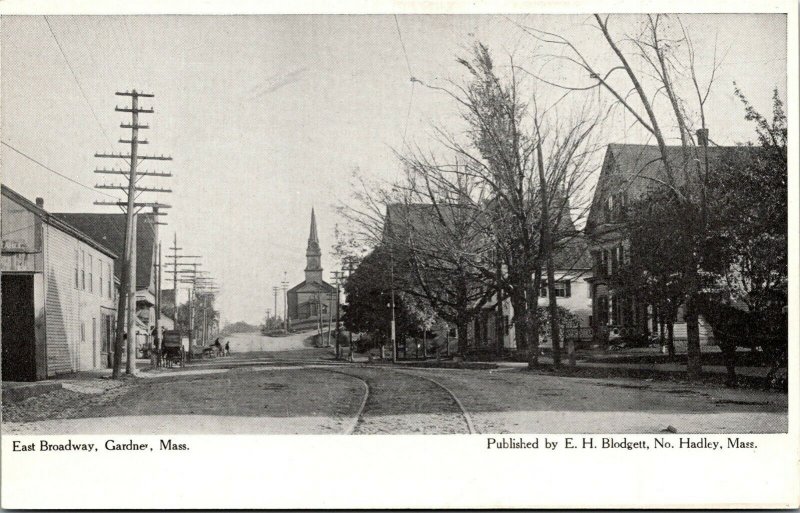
(396, 223)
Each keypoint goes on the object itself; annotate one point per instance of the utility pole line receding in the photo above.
(285, 284)
(128, 282)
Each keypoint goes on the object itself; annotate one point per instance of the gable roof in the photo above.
(571, 251)
(636, 168)
(56, 221)
(109, 229)
(167, 298)
(325, 286)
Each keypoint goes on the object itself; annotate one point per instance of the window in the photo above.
(614, 261)
(606, 263)
(609, 213)
(83, 270)
(77, 258)
(562, 288)
(110, 280)
(105, 325)
(100, 275)
(91, 273)
(83, 332)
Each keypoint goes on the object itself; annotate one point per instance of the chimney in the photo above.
(702, 136)
(40, 202)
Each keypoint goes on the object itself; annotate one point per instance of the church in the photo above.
(312, 303)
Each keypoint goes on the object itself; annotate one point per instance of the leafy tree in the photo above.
(658, 62)
(747, 306)
(238, 327)
(520, 167)
(368, 290)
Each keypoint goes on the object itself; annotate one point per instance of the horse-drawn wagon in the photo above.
(172, 351)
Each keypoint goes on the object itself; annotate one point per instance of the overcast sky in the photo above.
(267, 116)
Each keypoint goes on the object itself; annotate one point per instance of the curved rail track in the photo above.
(374, 376)
(367, 410)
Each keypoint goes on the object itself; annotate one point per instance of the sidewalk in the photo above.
(95, 381)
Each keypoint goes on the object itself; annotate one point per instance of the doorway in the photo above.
(19, 330)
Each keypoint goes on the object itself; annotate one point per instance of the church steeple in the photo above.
(313, 253)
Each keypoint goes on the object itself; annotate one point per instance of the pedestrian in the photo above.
(218, 347)
(227, 348)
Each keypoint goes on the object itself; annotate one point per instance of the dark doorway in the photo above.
(19, 335)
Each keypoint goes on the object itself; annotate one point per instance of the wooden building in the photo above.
(58, 294)
(312, 302)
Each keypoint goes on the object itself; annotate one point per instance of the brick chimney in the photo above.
(40, 202)
(702, 136)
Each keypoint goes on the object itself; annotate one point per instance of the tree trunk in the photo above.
(532, 324)
(671, 340)
(729, 356)
(694, 366)
(520, 323)
(555, 332)
(499, 326)
(461, 327)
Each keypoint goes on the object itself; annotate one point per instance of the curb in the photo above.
(18, 393)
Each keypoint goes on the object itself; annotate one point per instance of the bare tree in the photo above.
(525, 167)
(668, 59)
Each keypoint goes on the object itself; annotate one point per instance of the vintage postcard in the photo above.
(310, 256)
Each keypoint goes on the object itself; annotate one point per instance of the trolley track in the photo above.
(405, 402)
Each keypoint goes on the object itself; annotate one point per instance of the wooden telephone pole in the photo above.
(130, 207)
(176, 268)
(337, 278)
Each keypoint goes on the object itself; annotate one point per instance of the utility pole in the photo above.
(285, 284)
(337, 277)
(178, 267)
(394, 340)
(350, 333)
(128, 284)
(191, 306)
(158, 295)
(275, 300)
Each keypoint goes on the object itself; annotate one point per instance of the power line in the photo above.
(408, 65)
(75, 77)
(411, 77)
(408, 112)
(56, 172)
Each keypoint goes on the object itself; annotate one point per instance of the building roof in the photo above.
(421, 218)
(571, 252)
(322, 284)
(110, 230)
(167, 298)
(56, 221)
(637, 168)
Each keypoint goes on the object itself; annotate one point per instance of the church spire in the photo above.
(312, 237)
(313, 253)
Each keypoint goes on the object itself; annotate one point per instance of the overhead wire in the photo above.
(77, 82)
(411, 77)
(62, 175)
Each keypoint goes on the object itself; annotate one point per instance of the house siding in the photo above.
(68, 307)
